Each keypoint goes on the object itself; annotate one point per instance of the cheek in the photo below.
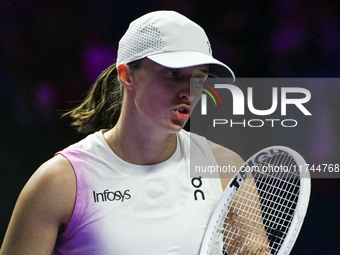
(193, 104)
(195, 93)
(196, 88)
(150, 100)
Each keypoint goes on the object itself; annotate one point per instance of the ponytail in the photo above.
(102, 105)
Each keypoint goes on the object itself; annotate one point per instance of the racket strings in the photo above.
(259, 215)
(242, 229)
(279, 196)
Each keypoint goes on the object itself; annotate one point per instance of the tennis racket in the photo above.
(263, 207)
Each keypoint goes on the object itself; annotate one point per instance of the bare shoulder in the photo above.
(43, 209)
(227, 158)
(57, 172)
(56, 180)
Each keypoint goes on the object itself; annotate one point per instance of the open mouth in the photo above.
(183, 112)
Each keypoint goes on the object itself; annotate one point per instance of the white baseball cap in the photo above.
(169, 39)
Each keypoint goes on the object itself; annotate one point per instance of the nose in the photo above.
(189, 91)
(189, 84)
(186, 95)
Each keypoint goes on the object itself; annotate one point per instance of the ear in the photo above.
(124, 75)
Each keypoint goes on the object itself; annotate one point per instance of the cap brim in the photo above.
(182, 59)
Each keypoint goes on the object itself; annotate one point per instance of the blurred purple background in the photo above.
(52, 51)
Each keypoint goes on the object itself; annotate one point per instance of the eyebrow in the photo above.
(205, 69)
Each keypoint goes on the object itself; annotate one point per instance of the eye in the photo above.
(201, 77)
(199, 82)
(173, 73)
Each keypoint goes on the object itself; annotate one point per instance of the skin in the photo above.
(145, 134)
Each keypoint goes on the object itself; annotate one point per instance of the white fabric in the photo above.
(170, 39)
(123, 208)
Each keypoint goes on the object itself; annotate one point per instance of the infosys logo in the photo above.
(108, 195)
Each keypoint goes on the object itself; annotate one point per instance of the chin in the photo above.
(173, 129)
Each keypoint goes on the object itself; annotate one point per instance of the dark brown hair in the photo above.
(102, 106)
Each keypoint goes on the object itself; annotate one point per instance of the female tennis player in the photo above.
(126, 188)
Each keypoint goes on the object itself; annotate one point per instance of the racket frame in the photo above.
(235, 183)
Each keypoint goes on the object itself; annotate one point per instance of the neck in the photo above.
(140, 148)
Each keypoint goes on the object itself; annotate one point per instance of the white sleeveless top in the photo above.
(127, 209)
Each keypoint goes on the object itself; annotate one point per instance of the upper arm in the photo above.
(227, 158)
(44, 206)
